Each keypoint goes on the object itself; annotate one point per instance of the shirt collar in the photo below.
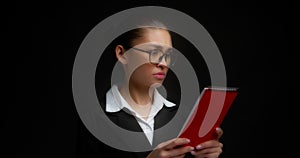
(115, 102)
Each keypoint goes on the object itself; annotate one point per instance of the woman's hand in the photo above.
(209, 149)
(173, 148)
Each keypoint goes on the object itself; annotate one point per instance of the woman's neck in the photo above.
(140, 95)
(139, 98)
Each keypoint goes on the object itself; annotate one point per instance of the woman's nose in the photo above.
(163, 62)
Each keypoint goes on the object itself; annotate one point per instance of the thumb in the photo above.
(219, 132)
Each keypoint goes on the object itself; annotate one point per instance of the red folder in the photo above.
(208, 114)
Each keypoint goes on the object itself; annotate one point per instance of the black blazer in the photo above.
(89, 146)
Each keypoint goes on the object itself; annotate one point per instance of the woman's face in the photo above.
(138, 68)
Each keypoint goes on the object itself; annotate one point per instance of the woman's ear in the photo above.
(120, 54)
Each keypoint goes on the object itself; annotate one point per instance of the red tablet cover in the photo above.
(208, 114)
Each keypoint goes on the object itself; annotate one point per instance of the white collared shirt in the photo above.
(115, 102)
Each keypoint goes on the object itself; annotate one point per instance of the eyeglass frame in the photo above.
(160, 58)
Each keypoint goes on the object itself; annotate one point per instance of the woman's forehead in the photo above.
(154, 37)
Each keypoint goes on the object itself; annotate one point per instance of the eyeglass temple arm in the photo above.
(141, 50)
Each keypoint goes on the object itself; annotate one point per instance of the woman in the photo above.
(146, 55)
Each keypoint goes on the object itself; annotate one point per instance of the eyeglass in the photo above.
(156, 56)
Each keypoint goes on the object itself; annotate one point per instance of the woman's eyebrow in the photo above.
(157, 46)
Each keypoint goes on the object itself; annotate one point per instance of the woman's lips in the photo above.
(159, 75)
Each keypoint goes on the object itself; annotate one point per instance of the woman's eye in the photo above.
(155, 51)
(170, 51)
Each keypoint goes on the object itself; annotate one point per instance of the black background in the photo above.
(256, 41)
